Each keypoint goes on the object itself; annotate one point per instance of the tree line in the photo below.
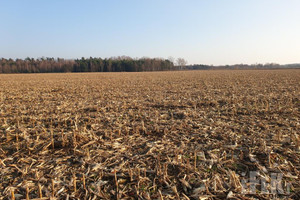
(116, 64)
(241, 66)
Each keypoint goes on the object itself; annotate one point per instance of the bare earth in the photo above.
(152, 135)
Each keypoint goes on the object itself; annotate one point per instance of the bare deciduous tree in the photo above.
(181, 62)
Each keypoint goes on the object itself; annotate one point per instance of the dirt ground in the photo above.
(151, 135)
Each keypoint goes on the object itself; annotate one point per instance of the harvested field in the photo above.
(156, 135)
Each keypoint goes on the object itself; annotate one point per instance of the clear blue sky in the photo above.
(201, 31)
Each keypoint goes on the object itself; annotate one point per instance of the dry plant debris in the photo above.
(157, 135)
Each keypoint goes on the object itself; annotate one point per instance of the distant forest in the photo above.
(242, 66)
(116, 64)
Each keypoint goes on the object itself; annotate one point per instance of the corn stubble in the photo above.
(159, 135)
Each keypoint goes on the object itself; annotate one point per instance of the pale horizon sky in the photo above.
(201, 31)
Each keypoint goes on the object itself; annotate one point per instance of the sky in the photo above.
(213, 32)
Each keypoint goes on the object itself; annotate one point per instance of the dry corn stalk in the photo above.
(167, 135)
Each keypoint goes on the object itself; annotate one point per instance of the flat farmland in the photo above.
(151, 135)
